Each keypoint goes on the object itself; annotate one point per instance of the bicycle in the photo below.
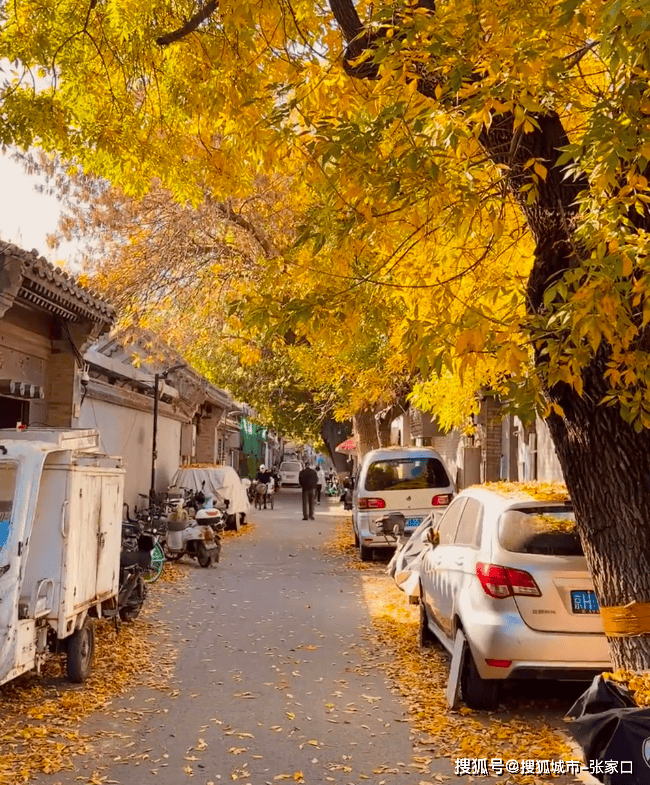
(154, 524)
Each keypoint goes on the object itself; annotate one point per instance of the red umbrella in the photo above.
(348, 446)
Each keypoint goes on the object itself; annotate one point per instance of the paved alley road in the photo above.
(271, 674)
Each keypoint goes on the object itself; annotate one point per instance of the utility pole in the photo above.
(154, 451)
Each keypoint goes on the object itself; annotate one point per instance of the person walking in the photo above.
(265, 478)
(321, 483)
(308, 480)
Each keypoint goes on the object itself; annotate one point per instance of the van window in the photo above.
(8, 473)
(543, 530)
(290, 466)
(402, 474)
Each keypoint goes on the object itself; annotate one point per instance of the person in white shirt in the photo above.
(322, 482)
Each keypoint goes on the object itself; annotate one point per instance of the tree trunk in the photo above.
(365, 431)
(606, 465)
(332, 434)
(384, 420)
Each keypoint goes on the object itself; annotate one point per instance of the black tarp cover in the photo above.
(609, 726)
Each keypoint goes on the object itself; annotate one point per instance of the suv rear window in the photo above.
(290, 466)
(544, 530)
(401, 474)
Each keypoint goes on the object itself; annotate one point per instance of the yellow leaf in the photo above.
(540, 170)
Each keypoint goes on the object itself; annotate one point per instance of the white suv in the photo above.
(409, 480)
(504, 587)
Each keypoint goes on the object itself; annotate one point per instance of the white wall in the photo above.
(129, 433)
(448, 447)
(548, 466)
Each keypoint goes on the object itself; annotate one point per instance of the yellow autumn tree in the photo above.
(483, 165)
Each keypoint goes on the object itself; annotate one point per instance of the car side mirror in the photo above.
(433, 536)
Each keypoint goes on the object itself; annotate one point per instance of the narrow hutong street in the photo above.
(277, 678)
(270, 678)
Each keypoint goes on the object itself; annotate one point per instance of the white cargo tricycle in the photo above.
(60, 533)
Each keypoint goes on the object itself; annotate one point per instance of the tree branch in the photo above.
(348, 19)
(190, 26)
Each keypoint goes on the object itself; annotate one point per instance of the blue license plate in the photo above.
(411, 523)
(584, 602)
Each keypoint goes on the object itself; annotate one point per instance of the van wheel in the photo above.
(81, 652)
(426, 638)
(365, 553)
(356, 538)
(478, 693)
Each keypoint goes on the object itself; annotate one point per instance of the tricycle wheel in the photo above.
(132, 611)
(81, 652)
(205, 560)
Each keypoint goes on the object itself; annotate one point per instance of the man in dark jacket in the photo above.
(308, 480)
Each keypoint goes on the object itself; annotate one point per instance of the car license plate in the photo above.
(411, 523)
(584, 602)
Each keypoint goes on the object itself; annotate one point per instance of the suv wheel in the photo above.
(426, 638)
(478, 693)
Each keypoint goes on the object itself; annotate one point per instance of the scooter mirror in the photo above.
(393, 523)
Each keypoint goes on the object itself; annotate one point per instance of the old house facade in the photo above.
(496, 446)
(47, 321)
(190, 421)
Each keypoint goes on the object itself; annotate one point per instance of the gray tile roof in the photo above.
(44, 283)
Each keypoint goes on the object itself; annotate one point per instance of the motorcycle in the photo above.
(194, 530)
(135, 559)
(333, 488)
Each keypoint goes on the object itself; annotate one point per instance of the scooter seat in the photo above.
(129, 558)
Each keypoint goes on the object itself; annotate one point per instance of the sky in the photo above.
(27, 217)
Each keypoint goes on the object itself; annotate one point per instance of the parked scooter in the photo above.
(198, 536)
(135, 559)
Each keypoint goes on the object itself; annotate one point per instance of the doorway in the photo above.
(12, 411)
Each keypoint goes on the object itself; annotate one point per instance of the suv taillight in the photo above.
(440, 499)
(371, 504)
(503, 582)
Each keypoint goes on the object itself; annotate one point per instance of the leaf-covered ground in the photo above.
(41, 714)
(422, 680)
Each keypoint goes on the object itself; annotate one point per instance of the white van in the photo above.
(289, 471)
(410, 480)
